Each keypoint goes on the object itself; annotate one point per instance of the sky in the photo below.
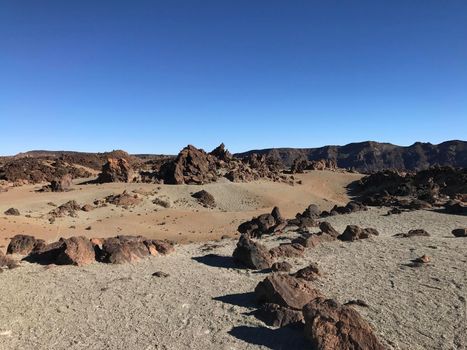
(151, 76)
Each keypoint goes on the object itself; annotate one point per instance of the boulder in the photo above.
(67, 209)
(353, 232)
(460, 232)
(309, 273)
(23, 244)
(327, 228)
(205, 198)
(276, 214)
(307, 241)
(330, 325)
(261, 225)
(286, 291)
(124, 199)
(163, 247)
(12, 212)
(251, 254)
(278, 316)
(123, 249)
(70, 251)
(61, 184)
(116, 170)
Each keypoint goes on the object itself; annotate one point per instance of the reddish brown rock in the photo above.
(124, 199)
(330, 326)
(327, 228)
(309, 273)
(353, 233)
(116, 170)
(251, 254)
(307, 241)
(285, 290)
(258, 226)
(61, 184)
(123, 249)
(161, 247)
(287, 250)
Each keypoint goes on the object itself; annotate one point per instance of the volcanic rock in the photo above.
(116, 170)
(309, 273)
(413, 233)
(251, 254)
(23, 244)
(286, 291)
(353, 232)
(12, 212)
(205, 198)
(330, 325)
(287, 250)
(124, 199)
(282, 266)
(327, 228)
(123, 249)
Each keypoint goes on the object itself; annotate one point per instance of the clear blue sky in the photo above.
(153, 76)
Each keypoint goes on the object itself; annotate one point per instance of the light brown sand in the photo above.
(185, 221)
(205, 303)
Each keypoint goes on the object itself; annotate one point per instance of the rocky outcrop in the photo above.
(67, 209)
(372, 156)
(330, 325)
(116, 170)
(124, 199)
(251, 254)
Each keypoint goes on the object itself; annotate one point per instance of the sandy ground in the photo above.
(206, 302)
(185, 221)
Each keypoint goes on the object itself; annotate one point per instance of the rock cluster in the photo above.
(263, 224)
(353, 233)
(82, 251)
(436, 186)
(301, 164)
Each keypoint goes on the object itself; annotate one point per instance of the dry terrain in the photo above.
(206, 301)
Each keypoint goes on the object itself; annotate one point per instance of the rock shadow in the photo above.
(238, 299)
(215, 260)
(276, 339)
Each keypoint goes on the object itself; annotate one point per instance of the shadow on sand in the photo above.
(239, 299)
(276, 339)
(215, 260)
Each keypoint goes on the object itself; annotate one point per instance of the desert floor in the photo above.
(207, 302)
(186, 220)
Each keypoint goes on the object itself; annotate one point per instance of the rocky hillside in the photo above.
(372, 156)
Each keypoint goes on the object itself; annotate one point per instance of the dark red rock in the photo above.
(330, 326)
(287, 250)
(309, 273)
(327, 228)
(285, 290)
(21, 244)
(282, 266)
(116, 170)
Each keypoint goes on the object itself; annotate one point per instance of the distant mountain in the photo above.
(372, 156)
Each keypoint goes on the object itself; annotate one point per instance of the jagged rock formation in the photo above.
(372, 156)
(116, 170)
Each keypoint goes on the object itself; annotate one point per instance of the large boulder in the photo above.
(330, 325)
(123, 249)
(23, 244)
(252, 254)
(67, 251)
(286, 291)
(116, 170)
(61, 184)
(192, 166)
